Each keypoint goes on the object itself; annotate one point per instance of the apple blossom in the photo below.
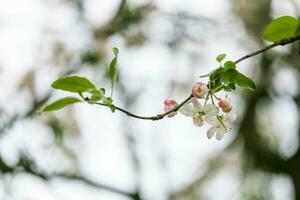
(221, 125)
(225, 105)
(199, 90)
(198, 113)
(169, 105)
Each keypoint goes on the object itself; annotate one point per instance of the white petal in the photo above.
(211, 110)
(231, 116)
(187, 110)
(220, 133)
(197, 105)
(211, 132)
(211, 120)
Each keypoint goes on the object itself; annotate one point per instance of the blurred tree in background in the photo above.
(259, 153)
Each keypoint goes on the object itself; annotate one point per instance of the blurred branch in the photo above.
(36, 105)
(131, 138)
(26, 165)
(124, 17)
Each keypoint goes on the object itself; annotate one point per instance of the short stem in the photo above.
(206, 99)
(212, 99)
(221, 122)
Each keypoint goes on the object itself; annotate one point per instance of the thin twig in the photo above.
(275, 44)
(153, 118)
(161, 116)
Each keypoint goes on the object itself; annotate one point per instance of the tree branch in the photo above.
(275, 44)
(162, 115)
(153, 118)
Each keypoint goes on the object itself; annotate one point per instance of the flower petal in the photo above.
(220, 133)
(212, 120)
(187, 110)
(211, 132)
(211, 110)
(231, 116)
(197, 105)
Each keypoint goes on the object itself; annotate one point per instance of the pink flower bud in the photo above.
(199, 90)
(225, 105)
(169, 105)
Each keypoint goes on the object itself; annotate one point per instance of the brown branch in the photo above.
(162, 115)
(153, 118)
(275, 44)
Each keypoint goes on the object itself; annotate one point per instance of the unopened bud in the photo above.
(199, 90)
(169, 105)
(225, 105)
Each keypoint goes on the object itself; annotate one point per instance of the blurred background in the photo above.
(86, 152)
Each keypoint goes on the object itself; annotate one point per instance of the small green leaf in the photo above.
(229, 65)
(112, 108)
(108, 101)
(228, 87)
(116, 51)
(95, 98)
(243, 81)
(97, 92)
(281, 28)
(113, 70)
(220, 57)
(61, 103)
(102, 90)
(233, 76)
(73, 84)
(215, 79)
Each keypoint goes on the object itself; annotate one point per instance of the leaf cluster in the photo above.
(227, 77)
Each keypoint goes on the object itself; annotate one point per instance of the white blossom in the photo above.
(199, 113)
(221, 125)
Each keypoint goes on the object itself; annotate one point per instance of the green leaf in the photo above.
(243, 81)
(108, 101)
(95, 98)
(233, 76)
(113, 70)
(228, 87)
(220, 57)
(97, 92)
(112, 108)
(229, 65)
(116, 51)
(215, 79)
(281, 28)
(73, 84)
(61, 103)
